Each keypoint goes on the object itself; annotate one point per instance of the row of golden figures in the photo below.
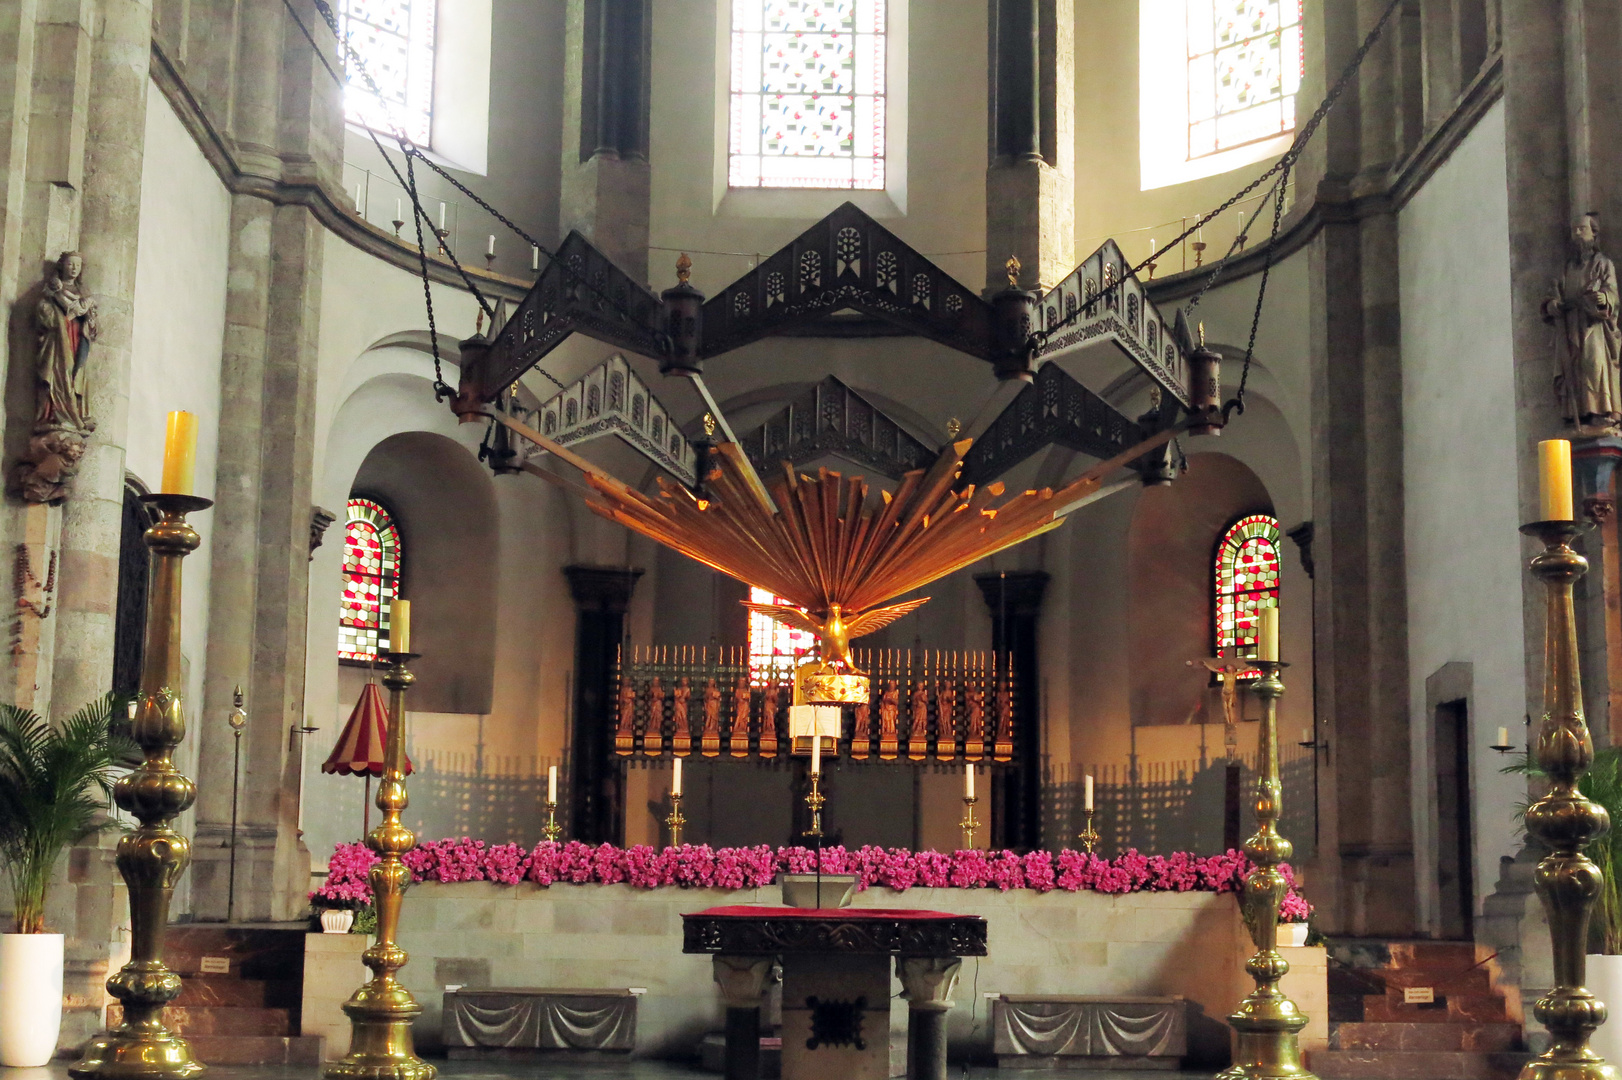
(925, 705)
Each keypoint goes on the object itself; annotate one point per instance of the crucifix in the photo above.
(1230, 668)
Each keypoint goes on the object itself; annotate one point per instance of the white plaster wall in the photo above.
(176, 341)
(1463, 551)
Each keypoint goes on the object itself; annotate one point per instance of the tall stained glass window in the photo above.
(773, 646)
(371, 575)
(807, 94)
(1244, 70)
(1247, 570)
(394, 40)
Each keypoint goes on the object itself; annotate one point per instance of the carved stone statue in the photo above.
(1583, 308)
(65, 319)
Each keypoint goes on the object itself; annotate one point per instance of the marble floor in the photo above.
(475, 1070)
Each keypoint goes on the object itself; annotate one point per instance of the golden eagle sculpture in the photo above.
(825, 544)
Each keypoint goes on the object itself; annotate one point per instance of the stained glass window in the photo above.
(394, 40)
(773, 646)
(371, 575)
(1247, 570)
(1244, 70)
(807, 94)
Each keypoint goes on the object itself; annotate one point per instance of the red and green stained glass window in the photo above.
(1247, 572)
(773, 647)
(1245, 62)
(371, 576)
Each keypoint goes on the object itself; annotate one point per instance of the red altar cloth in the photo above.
(761, 911)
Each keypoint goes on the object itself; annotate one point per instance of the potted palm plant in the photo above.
(54, 783)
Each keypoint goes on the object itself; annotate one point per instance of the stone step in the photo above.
(1388, 1036)
(1445, 1009)
(189, 1020)
(257, 1049)
(1414, 1065)
(228, 990)
(252, 953)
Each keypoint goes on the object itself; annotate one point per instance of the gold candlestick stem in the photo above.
(1267, 1022)
(814, 800)
(674, 820)
(381, 1012)
(1088, 836)
(969, 825)
(1565, 821)
(152, 856)
(552, 830)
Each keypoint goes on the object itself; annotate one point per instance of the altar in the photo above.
(836, 983)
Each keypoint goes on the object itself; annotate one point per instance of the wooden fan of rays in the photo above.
(822, 543)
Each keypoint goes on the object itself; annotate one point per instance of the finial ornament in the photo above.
(684, 268)
(1012, 266)
(953, 426)
(478, 323)
(1202, 334)
(709, 425)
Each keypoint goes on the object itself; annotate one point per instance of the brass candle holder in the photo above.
(552, 830)
(673, 820)
(969, 824)
(1565, 821)
(1088, 836)
(381, 1012)
(814, 801)
(152, 856)
(1267, 1022)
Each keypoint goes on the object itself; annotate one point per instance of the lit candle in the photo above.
(675, 780)
(816, 748)
(442, 217)
(534, 256)
(399, 625)
(1087, 792)
(968, 783)
(551, 783)
(180, 454)
(490, 245)
(1503, 736)
(1267, 643)
(1554, 479)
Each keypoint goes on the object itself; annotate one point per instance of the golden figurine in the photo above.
(833, 629)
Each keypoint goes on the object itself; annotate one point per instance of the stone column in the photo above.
(606, 181)
(927, 982)
(1030, 185)
(743, 981)
(1599, 609)
(1015, 600)
(597, 799)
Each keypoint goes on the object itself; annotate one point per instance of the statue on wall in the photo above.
(65, 319)
(1583, 306)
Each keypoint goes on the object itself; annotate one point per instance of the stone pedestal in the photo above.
(836, 1017)
(927, 982)
(742, 981)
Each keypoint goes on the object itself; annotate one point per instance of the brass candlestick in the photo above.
(152, 856)
(381, 1012)
(673, 820)
(814, 800)
(552, 830)
(1088, 836)
(1565, 821)
(442, 234)
(969, 825)
(1267, 1022)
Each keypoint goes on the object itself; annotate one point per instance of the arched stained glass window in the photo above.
(1247, 572)
(371, 575)
(773, 646)
(394, 40)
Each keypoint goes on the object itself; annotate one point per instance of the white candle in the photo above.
(1087, 795)
(551, 783)
(534, 256)
(675, 782)
(1151, 247)
(1503, 736)
(1267, 644)
(397, 208)
(968, 783)
(816, 749)
(442, 215)
(490, 245)
(1306, 737)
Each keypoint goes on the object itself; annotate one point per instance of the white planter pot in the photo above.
(30, 998)
(1292, 934)
(1605, 979)
(337, 921)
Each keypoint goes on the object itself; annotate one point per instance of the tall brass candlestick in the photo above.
(1089, 835)
(381, 1012)
(674, 820)
(1565, 821)
(1267, 1022)
(814, 801)
(152, 856)
(969, 825)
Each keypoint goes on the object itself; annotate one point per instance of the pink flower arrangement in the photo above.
(698, 866)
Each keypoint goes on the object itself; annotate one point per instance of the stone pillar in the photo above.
(1600, 591)
(606, 180)
(743, 981)
(597, 799)
(927, 982)
(1030, 182)
(1015, 600)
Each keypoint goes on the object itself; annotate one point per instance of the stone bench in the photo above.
(1036, 1031)
(521, 1022)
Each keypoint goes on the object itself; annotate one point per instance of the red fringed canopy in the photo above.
(361, 744)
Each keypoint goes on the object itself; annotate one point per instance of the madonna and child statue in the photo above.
(65, 322)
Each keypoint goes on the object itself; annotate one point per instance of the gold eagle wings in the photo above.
(836, 630)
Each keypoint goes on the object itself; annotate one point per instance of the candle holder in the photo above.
(442, 234)
(397, 223)
(1199, 253)
(1088, 836)
(551, 830)
(1503, 748)
(673, 820)
(1565, 821)
(152, 856)
(1267, 1022)
(490, 264)
(380, 1012)
(969, 825)
(814, 801)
